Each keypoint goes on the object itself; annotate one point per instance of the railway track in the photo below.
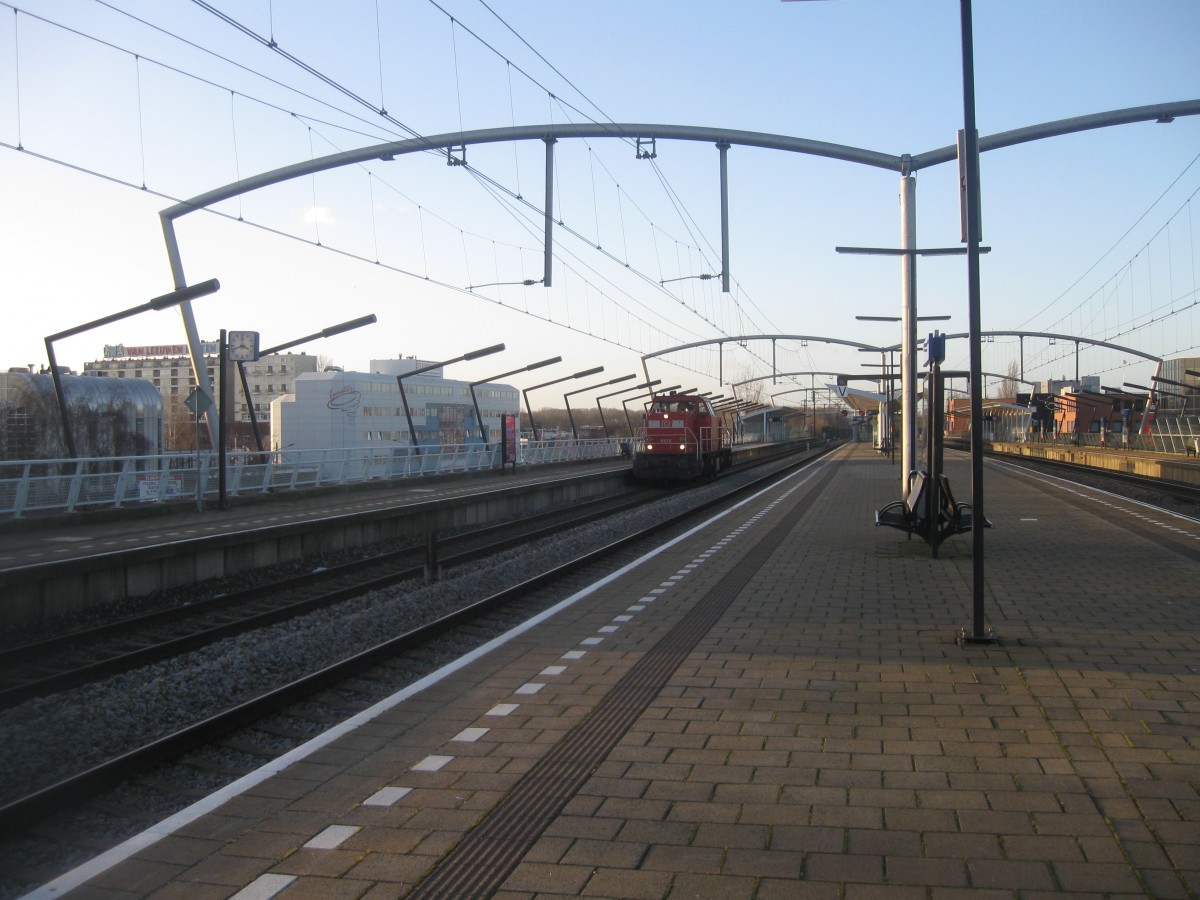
(281, 715)
(1185, 497)
(67, 660)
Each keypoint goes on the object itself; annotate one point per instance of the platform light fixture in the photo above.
(584, 374)
(159, 303)
(329, 332)
(474, 384)
(466, 357)
(571, 417)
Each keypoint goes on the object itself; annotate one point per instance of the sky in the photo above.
(112, 111)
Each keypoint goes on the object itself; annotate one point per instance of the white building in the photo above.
(342, 410)
(169, 368)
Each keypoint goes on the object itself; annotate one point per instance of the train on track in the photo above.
(685, 439)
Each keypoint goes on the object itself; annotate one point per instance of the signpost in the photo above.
(198, 402)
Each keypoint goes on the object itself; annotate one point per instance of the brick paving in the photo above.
(827, 738)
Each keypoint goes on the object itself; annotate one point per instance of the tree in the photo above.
(1010, 385)
(179, 425)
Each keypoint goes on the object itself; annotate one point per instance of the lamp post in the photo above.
(584, 374)
(161, 302)
(570, 416)
(323, 333)
(600, 409)
(474, 384)
(474, 354)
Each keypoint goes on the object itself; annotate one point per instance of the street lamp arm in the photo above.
(323, 333)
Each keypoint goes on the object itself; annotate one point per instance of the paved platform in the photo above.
(773, 707)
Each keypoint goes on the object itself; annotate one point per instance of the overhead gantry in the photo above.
(644, 137)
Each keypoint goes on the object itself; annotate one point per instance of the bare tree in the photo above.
(179, 425)
(1010, 385)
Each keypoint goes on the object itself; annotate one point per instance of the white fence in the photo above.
(67, 485)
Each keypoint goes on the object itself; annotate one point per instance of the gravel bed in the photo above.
(48, 738)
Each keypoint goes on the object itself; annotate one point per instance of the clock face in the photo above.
(243, 346)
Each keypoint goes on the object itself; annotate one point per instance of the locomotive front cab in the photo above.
(685, 439)
(679, 425)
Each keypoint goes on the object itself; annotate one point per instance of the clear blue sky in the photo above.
(1092, 234)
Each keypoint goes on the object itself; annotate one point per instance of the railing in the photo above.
(69, 485)
(1176, 434)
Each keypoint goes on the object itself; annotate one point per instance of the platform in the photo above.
(771, 707)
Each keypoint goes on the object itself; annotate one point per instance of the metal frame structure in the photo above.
(724, 139)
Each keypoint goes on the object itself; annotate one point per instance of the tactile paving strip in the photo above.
(481, 862)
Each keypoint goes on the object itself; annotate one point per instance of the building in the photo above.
(343, 410)
(108, 418)
(169, 368)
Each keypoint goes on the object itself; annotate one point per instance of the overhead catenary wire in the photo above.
(269, 42)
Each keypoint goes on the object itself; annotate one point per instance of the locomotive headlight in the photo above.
(682, 447)
(649, 446)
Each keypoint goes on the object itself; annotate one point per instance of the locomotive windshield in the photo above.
(679, 405)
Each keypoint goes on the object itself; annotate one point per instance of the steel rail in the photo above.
(16, 814)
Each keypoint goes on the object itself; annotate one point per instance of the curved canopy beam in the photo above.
(1062, 337)
(904, 163)
(742, 339)
(737, 384)
(724, 138)
(1159, 112)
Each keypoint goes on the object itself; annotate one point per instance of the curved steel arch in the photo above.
(736, 384)
(1159, 112)
(1064, 337)
(720, 342)
(1047, 334)
(905, 164)
(892, 162)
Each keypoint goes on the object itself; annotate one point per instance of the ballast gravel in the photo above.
(49, 738)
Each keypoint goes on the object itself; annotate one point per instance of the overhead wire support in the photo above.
(295, 60)
(17, 71)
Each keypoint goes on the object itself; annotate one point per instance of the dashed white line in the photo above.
(332, 837)
(387, 796)
(432, 763)
(264, 887)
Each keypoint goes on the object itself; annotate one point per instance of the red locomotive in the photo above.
(684, 439)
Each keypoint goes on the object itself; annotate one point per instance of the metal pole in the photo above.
(478, 417)
(414, 444)
(723, 147)
(979, 631)
(199, 481)
(250, 406)
(62, 399)
(221, 415)
(529, 409)
(549, 218)
(908, 332)
(574, 433)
